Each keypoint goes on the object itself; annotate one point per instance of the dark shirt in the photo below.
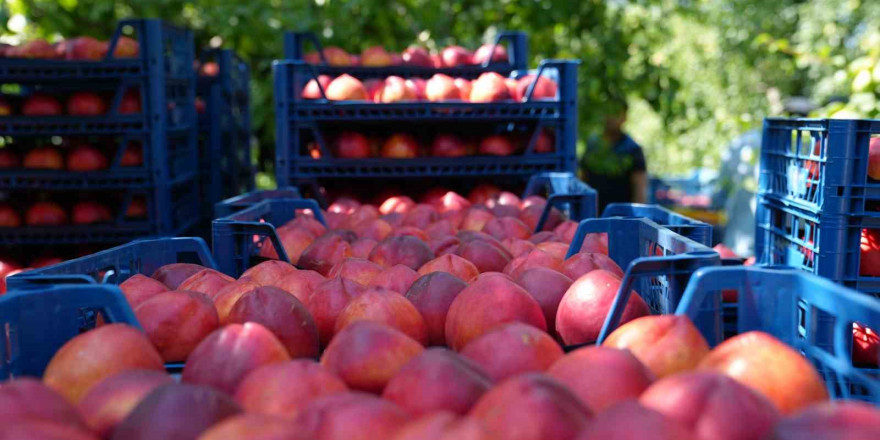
(609, 170)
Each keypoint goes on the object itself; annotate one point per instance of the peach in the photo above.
(344, 205)
(443, 425)
(518, 247)
(400, 204)
(841, 420)
(254, 427)
(443, 246)
(440, 229)
(111, 349)
(312, 89)
(547, 287)
(357, 269)
(566, 230)
(176, 321)
(448, 145)
(490, 53)
(362, 247)
(395, 219)
(327, 301)
(400, 146)
(33, 429)
(487, 303)
(545, 88)
(420, 216)
(397, 278)
(346, 88)
(535, 258)
(543, 237)
(639, 423)
(530, 215)
(464, 87)
(285, 388)
(588, 302)
(435, 380)
(227, 355)
(512, 349)
(366, 355)
(268, 273)
(385, 307)
(139, 288)
(453, 264)
(207, 281)
(350, 145)
(594, 243)
(282, 314)
(506, 227)
(706, 403)
(482, 193)
(499, 145)
(336, 56)
(455, 56)
(602, 377)
(486, 256)
(532, 406)
(406, 250)
(441, 87)
(475, 219)
(171, 275)
(432, 295)
(666, 344)
(27, 398)
(308, 222)
(324, 253)
(351, 416)
(395, 89)
(554, 248)
(229, 295)
(300, 283)
(584, 262)
(411, 231)
(416, 56)
(110, 401)
(770, 367)
(489, 87)
(375, 56)
(176, 411)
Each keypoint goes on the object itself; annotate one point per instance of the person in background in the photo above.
(614, 164)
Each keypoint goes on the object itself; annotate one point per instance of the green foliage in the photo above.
(697, 73)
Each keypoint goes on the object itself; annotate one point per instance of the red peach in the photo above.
(512, 349)
(112, 348)
(366, 355)
(411, 231)
(33, 429)
(357, 269)
(406, 250)
(420, 216)
(518, 247)
(294, 241)
(171, 275)
(177, 321)
(254, 427)
(312, 89)
(351, 416)
(300, 283)
(432, 295)
(207, 281)
(25, 398)
(444, 425)
(362, 247)
(282, 314)
(486, 256)
(602, 377)
(327, 301)
(397, 278)
(226, 356)
(437, 380)
(285, 388)
(268, 273)
(535, 258)
(385, 307)
(506, 227)
(666, 344)
(640, 423)
(453, 264)
(229, 295)
(547, 287)
(324, 253)
(139, 288)
(110, 401)
(346, 88)
(583, 263)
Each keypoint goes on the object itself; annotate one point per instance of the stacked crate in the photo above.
(147, 136)
(223, 107)
(305, 128)
(818, 209)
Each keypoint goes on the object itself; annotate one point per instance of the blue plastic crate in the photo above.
(238, 238)
(694, 229)
(820, 165)
(657, 263)
(115, 265)
(296, 45)
(234, 204)
(822, 244)
(565, 192)
(36, 320)
(225, 128)
(302, 121)
(165, 130)
(809, 313)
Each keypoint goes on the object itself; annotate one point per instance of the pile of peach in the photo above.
(488, 87)
(338, 347)
(76, 104)
(50, 213)
(416, 56)
(80, 48)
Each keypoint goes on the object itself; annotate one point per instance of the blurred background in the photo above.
(698, 76)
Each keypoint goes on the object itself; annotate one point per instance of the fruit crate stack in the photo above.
(98, 140)
(390, 119)
(819, 199)
(223, 107)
